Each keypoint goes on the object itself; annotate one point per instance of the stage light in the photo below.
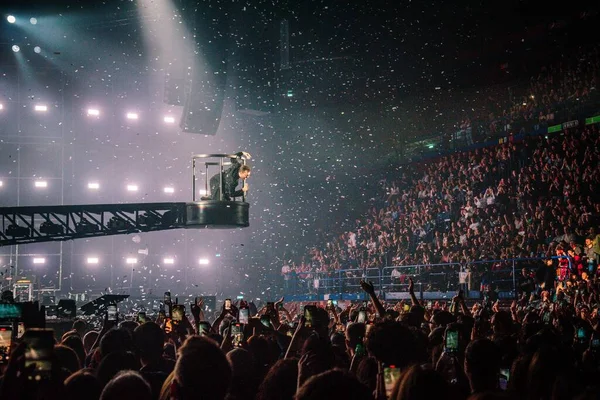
(33, 20)
(132, 188)
(169, 120)
(93, 185)
(41, 107)
(11, 19)
(41, 184)
(203, 261)
(131, 115)
(1, 106)
(203, 192)
(93, 111)
(37, 49)
(16, 48)
(169, 189)
(39, 260)
(92, 260)
(168, 260)
(131, 260)
(1, 183)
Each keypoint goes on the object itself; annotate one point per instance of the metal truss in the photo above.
(34, 224)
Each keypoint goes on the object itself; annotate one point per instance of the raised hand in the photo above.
(367, 287)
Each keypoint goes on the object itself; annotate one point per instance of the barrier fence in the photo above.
(502, 276)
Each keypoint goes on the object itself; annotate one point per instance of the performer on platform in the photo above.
(231, 177)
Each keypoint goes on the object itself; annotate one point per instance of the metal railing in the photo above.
(501, 275)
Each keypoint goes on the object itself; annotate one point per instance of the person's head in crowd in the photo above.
(280, 382)
(80, 326)
(502, 323)
(417, 383)
(366, 372)
(148, 340)
(244, 381)
(333, 385)
(355, 334)
(82, 385)
(129, 326)
(116, 340)
(75, 343)
(169, 351)
(114, 363)
(338, 339)
(89, 339)
(127, 385)
(67, 358)
(201, 370)
(392, 343)
(482, 365)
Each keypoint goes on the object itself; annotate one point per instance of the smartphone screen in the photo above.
(167, 298)
(390, 376)
(329, 304)
(111, 311)
(429, 304)
(237, 334)
(141, 317)
(38, 351)
(406, 308)
(9, 311)
(178, 312)
(362, 317)
(266, 321)
(503, 378)
(308, 316)
(595, 343)
(581, 334)
(5, 343)
(451, 341)
(203, 328)
(20, 330)
(243, 315)
(228, 304)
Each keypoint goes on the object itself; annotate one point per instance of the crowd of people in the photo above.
(527, 199)
(545, 345)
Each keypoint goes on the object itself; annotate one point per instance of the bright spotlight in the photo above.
(132, 188)
(131, 115)
(1, 106)
(16, 48)
(203, 261)
(33, 20)
(92, 260)
(1, 183)
(169, 120)
(39, 260)
(168, 260)
(11, 19)
(41, 107)
(37, 49)
(41, 184)
(203, 192)
(93, 111)
(131, 260)
(93, 185)
(169, 189)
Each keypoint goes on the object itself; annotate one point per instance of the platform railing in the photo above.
(221, 163)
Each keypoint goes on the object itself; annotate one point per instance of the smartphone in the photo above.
(162, 314)
(39, 350)
(237, 334)
(178, 313)
(390, 375)
(365, 304)
(309, 312)
(270, 306)
(581, 334)
(203, 328)
(362, 317)
(503, 378)
(429, 304)
(141, 317)
(111, 311)
(406, 308)
(20, 330)
(451, 344)
(595, 343)
(5, 343)
(330, 305)
(266, 321)
(546, 317)
(167, 298)
(280, 306)
(228, 304)
(244, 315)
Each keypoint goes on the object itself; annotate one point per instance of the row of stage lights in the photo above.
(95, 112)
(93, 260)
(94, 186)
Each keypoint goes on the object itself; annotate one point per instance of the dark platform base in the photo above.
(217, 214)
